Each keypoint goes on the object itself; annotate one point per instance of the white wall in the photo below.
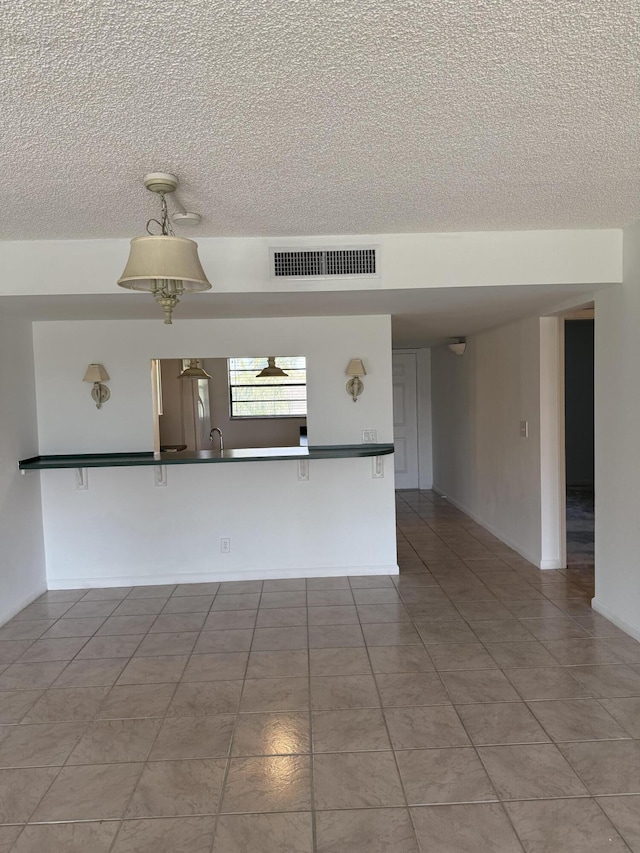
(123, 529)
(463, 259)
(480, 460)
(22, 572)
(617, 444)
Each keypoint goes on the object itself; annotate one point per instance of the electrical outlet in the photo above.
(225, 545)
(369, 436)
(524, 429)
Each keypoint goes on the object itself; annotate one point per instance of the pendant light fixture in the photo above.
(194, 370)
(271, 369)
(163, 264)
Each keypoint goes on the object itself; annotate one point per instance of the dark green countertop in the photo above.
(190, 457)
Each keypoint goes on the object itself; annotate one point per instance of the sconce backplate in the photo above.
(100, 394)
(355, 387)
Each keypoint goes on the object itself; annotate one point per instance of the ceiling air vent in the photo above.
(324, 263)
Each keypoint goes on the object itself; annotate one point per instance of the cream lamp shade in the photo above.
(356, 368)
(164, 263)
(194, 371)
(95, 373)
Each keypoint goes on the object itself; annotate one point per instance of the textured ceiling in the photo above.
(287, 117)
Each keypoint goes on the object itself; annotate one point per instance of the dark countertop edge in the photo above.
(121, 460)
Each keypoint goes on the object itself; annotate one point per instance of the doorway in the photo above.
(405, 420)
(579, 439)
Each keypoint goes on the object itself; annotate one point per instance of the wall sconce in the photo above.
(355, 386)
(97, 374)
(459, 346)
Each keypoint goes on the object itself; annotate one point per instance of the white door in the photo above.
(405, 420)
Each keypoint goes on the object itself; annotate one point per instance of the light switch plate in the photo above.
(369, 436)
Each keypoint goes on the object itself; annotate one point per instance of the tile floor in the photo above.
(471, 704)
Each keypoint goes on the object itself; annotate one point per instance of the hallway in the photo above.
(472, 704)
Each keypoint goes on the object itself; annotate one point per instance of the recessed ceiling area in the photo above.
(320, 117)
(420, 318)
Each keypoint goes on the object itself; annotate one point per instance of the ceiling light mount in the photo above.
(161, 182)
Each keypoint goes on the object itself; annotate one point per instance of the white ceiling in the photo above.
(320, 116)
(420, 317)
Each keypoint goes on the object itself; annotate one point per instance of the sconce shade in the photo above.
(458, 348)
(157, 262)
(194, 371)
(356, 368)
(95, 373)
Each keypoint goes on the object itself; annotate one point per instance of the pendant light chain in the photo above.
(166, 229)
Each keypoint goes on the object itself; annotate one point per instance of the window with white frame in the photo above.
(253, 396)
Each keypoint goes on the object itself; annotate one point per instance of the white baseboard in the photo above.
(627, 627)
(216, 577)
(6, 615)
(532, 558)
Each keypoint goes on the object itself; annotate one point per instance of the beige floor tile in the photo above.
(188, 604)
(356, 780)
(375, 613)
(480, 685)
(606, 767)
(91, 673)
(274, 639)
(14, 704)
(319, 597)
(136, 700)
(531, 771)
(371, 582)
(178, 788)
(89, 792)
(335, 636)
(272, 784)
(8, 835)
(349, 661)
(284, 585)
(516, 654)
(39, 745)
(275, 694)
(555, 629)
(329, 583)
(434, 776)
(203, 698)
(623, 813)
(109, 593)
(167, 644)
(194, 737)
(74, 627)
(11, 650)
(343, 691)
(504, 722)
(577, 719)
(464, 829)
(399, 659)
(365, 831)
(445, 632)
(73, 704)
(153, 670)
(174, 623)
(268, 833)
(412, 688)
(572, 826)
(230, 619)
(380, 595)
(18, 629)
(502, 631)
(391, 634)
(111, 647)
(626, 711)
(19, 676)
(547, 683)
(21, 791)
(116, 625)
(583, 652)
(425, 727)
(67, 838)
(63, 649)
(354, 730)
(196, 589)
(241, 601)
(272, 664)
(226, 666)
(279, 617)
(113, 741)
(139, 607)
(166, 835)
(294, 598)
(271, 734)
(603, 681)
(156, 591)
(90, 608)
(342, 614)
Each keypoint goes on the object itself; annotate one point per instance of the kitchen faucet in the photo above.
(218, 430)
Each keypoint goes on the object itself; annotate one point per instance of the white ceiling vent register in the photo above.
(325, 263)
